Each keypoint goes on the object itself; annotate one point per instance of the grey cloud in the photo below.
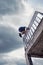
(10, 6)
(35, 3)
(38, 61)
(9, 39)
(14, 61)
(3, 63)
(20, 62)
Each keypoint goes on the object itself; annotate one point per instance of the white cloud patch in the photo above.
(37, 61)
(9, 39)
(13, 14)
(37, 5)
(13, 58)
(39, 8)
(22, 18)
(12, 6)
(14, 19)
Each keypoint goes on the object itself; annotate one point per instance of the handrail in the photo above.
(33, 28)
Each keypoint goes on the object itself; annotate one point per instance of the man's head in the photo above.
(21, 29)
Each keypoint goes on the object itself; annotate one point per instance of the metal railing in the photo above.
(33, 28)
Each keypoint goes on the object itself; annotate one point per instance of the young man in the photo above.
(22, 30)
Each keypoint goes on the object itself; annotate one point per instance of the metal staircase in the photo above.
(33, 39)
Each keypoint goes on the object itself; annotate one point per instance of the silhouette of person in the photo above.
(22, 30)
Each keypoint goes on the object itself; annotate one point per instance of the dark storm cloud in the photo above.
(10, 6)
(9, 39)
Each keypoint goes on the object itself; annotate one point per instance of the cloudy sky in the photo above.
(13, 14)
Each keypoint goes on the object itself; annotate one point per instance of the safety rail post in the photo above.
(28, 59)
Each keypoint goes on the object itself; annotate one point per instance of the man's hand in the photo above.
(20, 35)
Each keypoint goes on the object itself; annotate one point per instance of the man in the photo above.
(22, 30)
